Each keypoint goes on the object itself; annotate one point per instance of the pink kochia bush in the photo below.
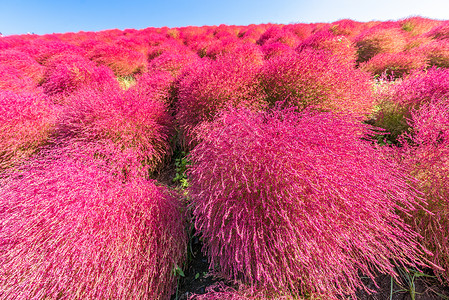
(130, 119)
(213, 85)
(12, 79)
(289, 201)
(72, 230)
(380, 39)
(67, 72)
(338, 45)
(395, 65)
(425, 154)
(417, 89)
(24, 63)
(318, 79)
(26, 121)
(122, 61)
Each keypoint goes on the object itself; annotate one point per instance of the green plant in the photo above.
(178, 272)
(407, 282)
(181, 164)
(126, 81)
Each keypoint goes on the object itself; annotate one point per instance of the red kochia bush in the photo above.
(174, 63)
(276, 49)
(155, 84)
(313, 78)
(380, 39)
(122, 61)
(340, 46)
(24, 63)
(425, 153)
(12, 79)
(129, 119)
(41, 50)
(66, 73)
(26, 120)
(289, 201)
(395, 65)
(418, 25)
(436, 52)
(415, 90)
(213, 85)
(73, 231)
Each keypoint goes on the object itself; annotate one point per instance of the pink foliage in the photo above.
(418, 25)
(71, 230)
(380, 39)
(425, 153)
(26, 121)
(129, 119)
(276, 49)
(23, 62)
(168, 46)
(395, 65)
(421, 87)
(437, 52)
(12, 79)
(347, 27)
(279, 197)
(65, 73)
(155, 84)
(313, 78)
(301, 30)
(41, 50)
(212, 85)
(174, 63)
(440, 32)
(122, 61)
(337, 45)
(277, 34)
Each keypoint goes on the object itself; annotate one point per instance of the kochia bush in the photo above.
(23, 62)
(415, 90)
(212, 85)
(71, 230)
(26, 121)
(66, 73)
(123, 61)
(12, 79)
(380, 39)
(127, 118)
(279, 198)
(425, 153)
(395, 65)
(337, 45)
(318, 79)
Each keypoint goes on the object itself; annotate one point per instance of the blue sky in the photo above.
(48, 16)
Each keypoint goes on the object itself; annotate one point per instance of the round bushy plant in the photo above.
(12, 79)
(212, 85)
(337, 45)
(318, 79)
(395, 65)
(416, 89)
(129, 119)
(298, 202)
(23, 62)
(425, 153)
(26, 121)
(123, 61)
(71, 230)
(172, 62)
(380, 39)
(65, 73)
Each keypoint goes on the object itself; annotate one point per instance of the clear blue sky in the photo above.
(48, 16)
